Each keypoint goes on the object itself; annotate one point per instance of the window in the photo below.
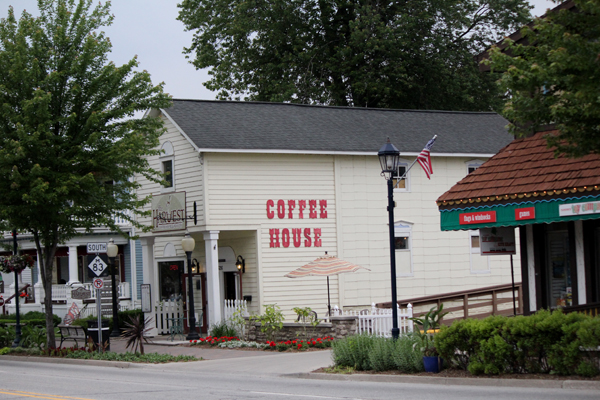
(167, 168)
(473, 165)
(403, 184)
(479, 264)
(403, 247)
(167, 160)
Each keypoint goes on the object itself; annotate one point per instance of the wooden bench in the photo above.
(72, 332)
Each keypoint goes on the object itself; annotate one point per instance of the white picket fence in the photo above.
(231, 306)
(165, 312)
(378, 321)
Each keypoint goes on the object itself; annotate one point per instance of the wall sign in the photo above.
(566, 210)
(296, 209)
(481, 217)
(497, 241)
(524, 213)
(168, 212)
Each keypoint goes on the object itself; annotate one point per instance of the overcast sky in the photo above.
(149, 29)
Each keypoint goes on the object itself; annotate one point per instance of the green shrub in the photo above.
(33, 337)
(125, 316)
(222, 329)
(543, 342)
(271, 321)
(7, 336)
(407, 356)
(353, 351)
(381, 356)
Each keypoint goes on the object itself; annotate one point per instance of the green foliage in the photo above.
(367, 352)
(271, 321)
(153, 358)
(4, 350)
(222, 329)
(411, 54)
(427, 325)
(126, 315)
(69, 142)
(31, 318)
(306, 317)
(7, 336)
(407, 355)
(545, 342)
(134, 332)
(555, 81)
(33, 337)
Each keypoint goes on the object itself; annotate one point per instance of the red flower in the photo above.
(299, 346)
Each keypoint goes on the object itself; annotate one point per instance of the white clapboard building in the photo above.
(278, 185)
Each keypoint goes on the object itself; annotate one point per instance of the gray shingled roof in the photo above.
(277, 126)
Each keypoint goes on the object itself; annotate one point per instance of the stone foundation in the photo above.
(338, 328)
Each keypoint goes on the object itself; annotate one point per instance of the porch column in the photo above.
(73, 274)
(580, 261)
(212, 277)
(39, 286)
(531, 269)
(148, 273)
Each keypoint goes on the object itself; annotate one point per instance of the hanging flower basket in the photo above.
(15, 263)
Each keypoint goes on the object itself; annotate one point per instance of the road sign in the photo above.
(81, 294)
(98, 283)
(96, 248)
(97, 266)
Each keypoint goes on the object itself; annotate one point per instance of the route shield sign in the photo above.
(97, 266)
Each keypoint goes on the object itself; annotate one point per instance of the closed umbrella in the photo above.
(325, 266)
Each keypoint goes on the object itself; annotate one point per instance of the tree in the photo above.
(400, 54)
(68, 143)
(554, 78)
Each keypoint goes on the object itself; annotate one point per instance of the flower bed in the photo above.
(235, 343)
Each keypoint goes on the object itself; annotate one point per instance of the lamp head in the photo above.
(240, 264)
(389, 157)
(112, 249)
(188, 243)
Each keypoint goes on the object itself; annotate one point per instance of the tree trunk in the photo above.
(46, 255)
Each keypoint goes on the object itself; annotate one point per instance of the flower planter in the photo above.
(432, 364)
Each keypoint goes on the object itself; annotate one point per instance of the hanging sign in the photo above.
(497, 241)
(168, 212)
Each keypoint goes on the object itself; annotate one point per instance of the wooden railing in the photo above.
(474, 303)
(591, 309)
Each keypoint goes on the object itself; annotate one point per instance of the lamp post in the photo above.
(17, 341)
(240, 264)
(188, 243)
(111, 251)
(389, 156)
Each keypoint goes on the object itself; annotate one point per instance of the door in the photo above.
(558, 271)
(199, 295)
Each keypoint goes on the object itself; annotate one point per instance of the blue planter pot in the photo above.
(432, 364)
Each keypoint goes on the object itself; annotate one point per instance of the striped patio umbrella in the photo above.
(325, 266)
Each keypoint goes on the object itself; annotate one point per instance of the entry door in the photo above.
(199, 284)
(559, 270)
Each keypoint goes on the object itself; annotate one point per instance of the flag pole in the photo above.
(409, 167)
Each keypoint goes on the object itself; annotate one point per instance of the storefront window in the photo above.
(170, 280)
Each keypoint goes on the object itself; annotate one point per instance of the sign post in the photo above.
(99, 284)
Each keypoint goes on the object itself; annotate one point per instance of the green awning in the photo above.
(521, 213)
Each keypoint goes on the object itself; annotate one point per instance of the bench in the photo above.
(72, 332)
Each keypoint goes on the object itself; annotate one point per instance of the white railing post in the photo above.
(409, 311)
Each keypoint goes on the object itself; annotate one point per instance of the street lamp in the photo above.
(17, 341)
(389, 156)
(188, 243)
(240, 264)
(111, 251)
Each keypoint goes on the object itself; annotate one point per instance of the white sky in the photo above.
(148, 29)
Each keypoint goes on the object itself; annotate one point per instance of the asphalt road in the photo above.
(220, 379)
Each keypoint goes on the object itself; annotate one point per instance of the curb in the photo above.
(73, 361)
(533, 383)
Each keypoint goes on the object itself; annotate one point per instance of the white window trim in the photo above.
(477, 252)
(404, 228)
(168, 155)
(406, 164)
(473, 163)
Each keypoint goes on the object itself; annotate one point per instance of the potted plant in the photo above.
(16, 263)
(427, 325)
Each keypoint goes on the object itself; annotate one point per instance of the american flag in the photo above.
(424, 158)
